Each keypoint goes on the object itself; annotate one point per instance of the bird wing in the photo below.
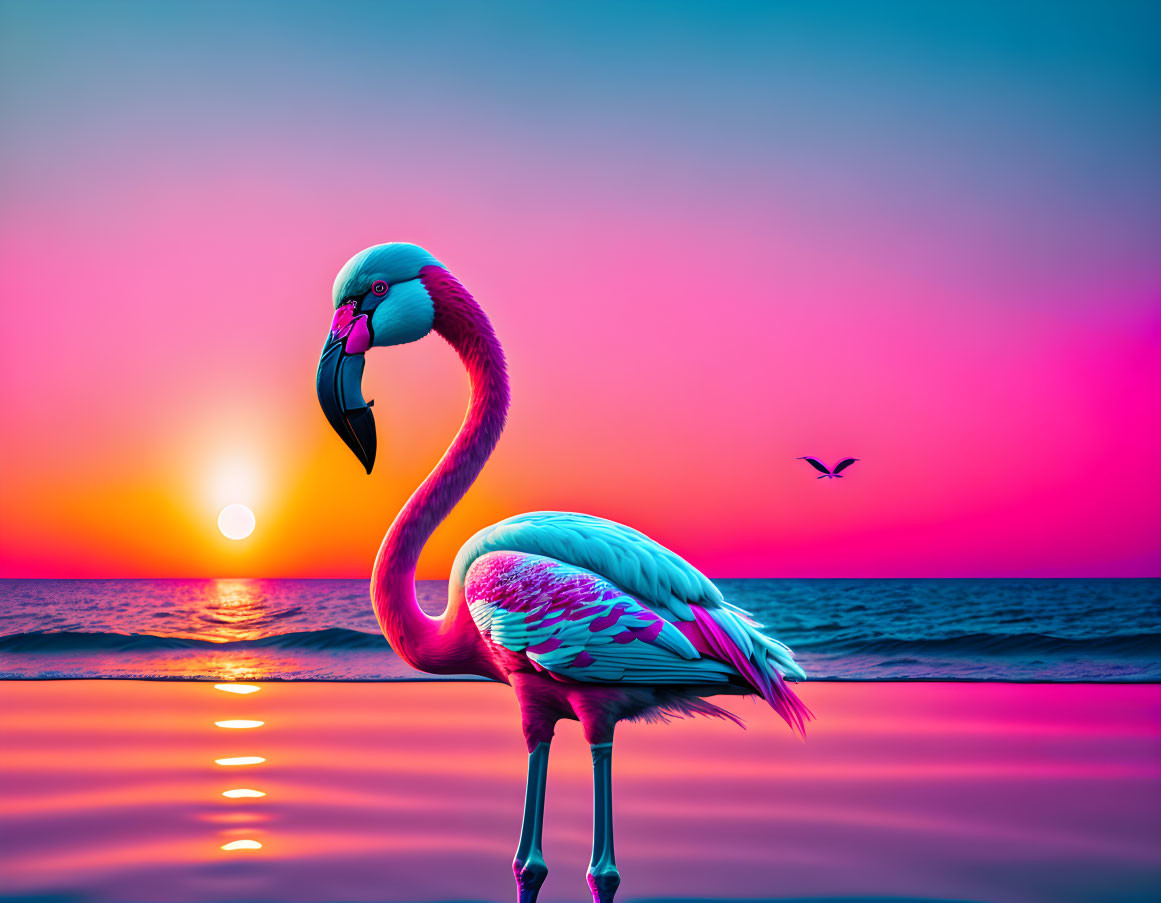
(816, 464)
(575, 624)
(655, 577)
(844, 464)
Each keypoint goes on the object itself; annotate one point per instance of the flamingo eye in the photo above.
(379, 287)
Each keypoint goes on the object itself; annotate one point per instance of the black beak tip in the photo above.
(361, 436)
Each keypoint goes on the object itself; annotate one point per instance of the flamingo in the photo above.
(585, 618)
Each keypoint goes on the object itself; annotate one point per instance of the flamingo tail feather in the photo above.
(756, 667)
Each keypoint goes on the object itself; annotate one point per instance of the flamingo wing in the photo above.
(652, 580)
(575, 624)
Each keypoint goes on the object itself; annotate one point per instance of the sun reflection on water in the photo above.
(229, 664)
(245, 820)
(237, 610)
(240, 689)
(225, 611)
(242, 845)
(235, 625)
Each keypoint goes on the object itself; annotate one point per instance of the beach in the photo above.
(405, 791)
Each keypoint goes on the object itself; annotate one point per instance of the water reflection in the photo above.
(246, 817)
(225, 612)
(404, 792)
(243, 821)
(237, 610)
(242, 845)
(227, 664)
(231, 611)
(240, 689)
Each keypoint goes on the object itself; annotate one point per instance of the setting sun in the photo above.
(236, 521)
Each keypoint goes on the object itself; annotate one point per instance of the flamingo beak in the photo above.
(340, 393)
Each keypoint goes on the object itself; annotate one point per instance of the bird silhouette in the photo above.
(829, 474)
(587, 619)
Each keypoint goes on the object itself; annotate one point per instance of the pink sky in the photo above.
(969, 305)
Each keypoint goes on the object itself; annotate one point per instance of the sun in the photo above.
(236, 521)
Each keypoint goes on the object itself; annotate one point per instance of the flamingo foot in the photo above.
(530, 876)
(604, 884)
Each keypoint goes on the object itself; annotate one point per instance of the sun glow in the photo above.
(241, 760)
(236, 521)
(240, 724)
(242, 792)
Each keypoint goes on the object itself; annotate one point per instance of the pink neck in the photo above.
(449, 644)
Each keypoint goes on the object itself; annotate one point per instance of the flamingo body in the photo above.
(588, 600)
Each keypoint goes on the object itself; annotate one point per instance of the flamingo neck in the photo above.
(449, 643)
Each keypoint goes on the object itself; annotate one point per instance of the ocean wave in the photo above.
(340, 639)
(995, 644)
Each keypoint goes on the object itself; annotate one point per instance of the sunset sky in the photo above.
(711, 237)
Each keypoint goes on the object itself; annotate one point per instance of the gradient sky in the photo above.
(712, 238)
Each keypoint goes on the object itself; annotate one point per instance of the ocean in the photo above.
(876, 629)
(114, 791)
(1018, 761)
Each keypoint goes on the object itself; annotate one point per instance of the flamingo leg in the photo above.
(528, 865)
(604, 879)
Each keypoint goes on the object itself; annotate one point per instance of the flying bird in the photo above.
(585, 618)
(829, 474)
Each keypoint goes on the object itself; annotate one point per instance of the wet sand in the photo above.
(109, 790)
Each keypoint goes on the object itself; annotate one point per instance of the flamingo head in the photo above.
(379, 299)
